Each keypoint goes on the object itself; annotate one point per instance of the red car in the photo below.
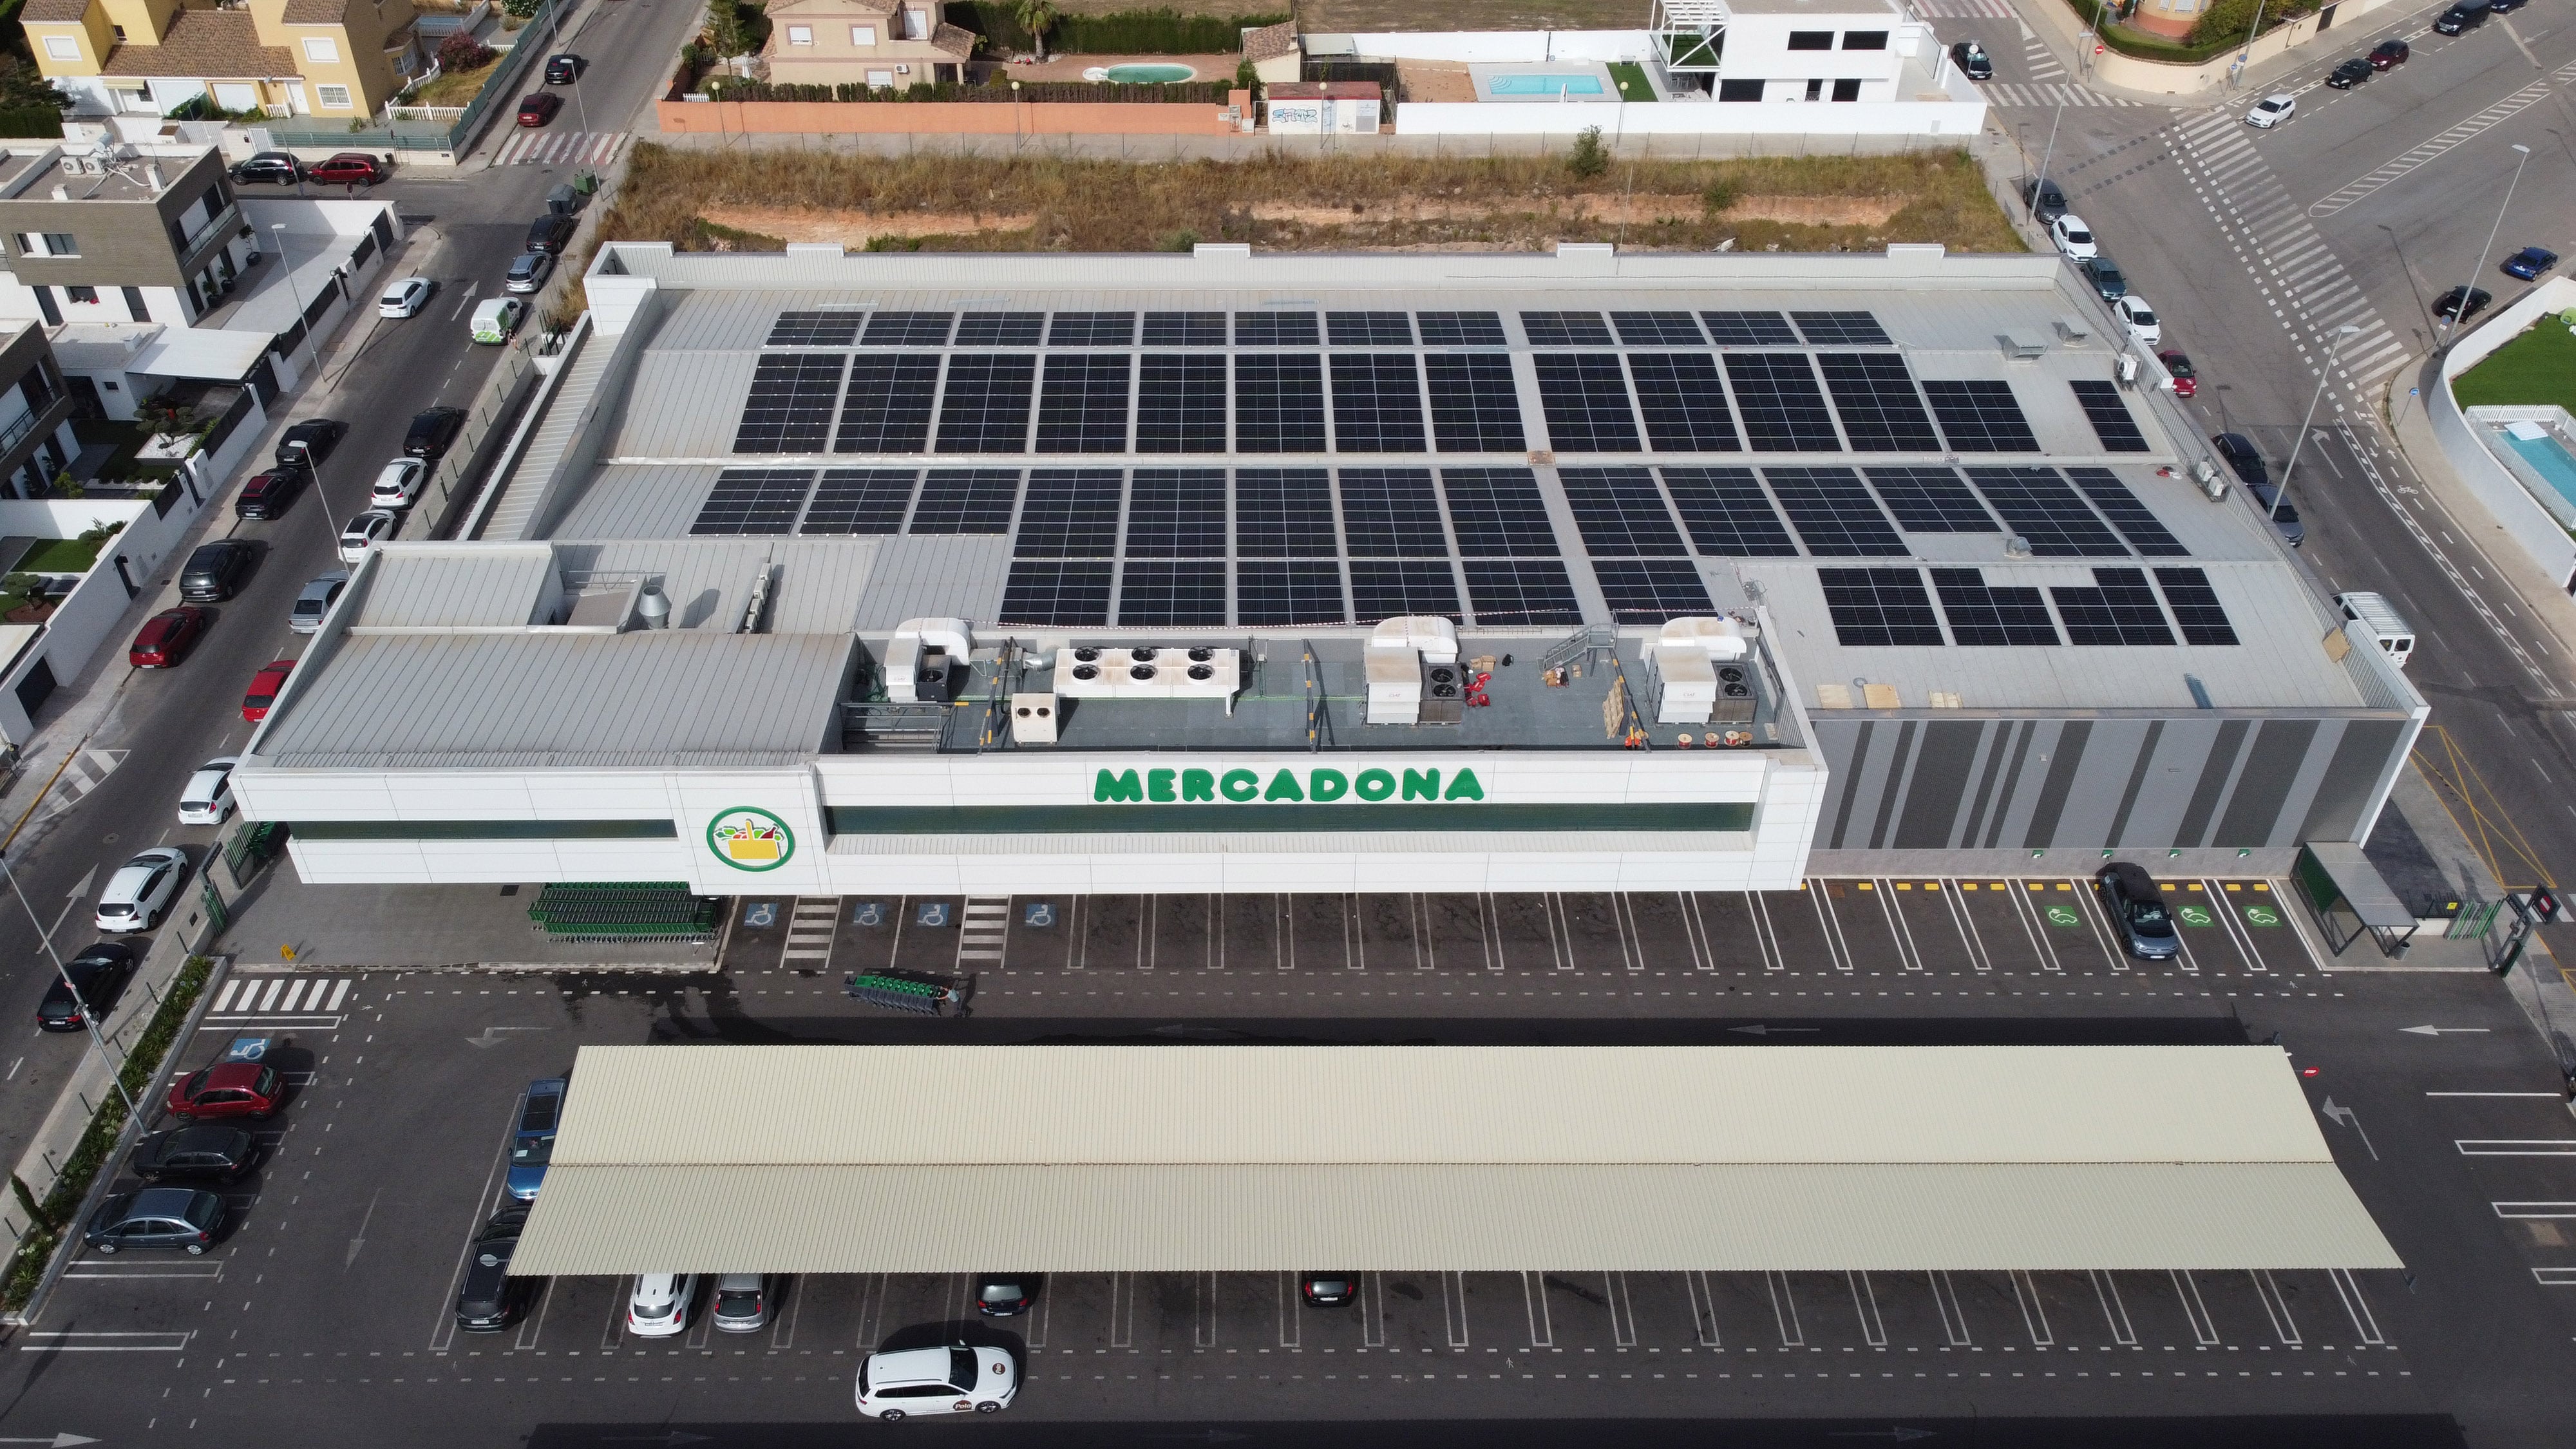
(231, 1089)
(2388, 53)
(166, 637)
(2186, 377)
(348, 167)
(540, 108)
(264, 688)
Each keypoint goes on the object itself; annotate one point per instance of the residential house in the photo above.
(325, 58)
(131, 235)
(1275, 53)
(1795, 50)
(36, 442)
(880, 43)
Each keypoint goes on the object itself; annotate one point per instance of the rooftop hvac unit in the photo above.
(71, 165)
(1103, 671)
(1444, 694)
(1684, 667)
(2211, 481)
(1034, 718)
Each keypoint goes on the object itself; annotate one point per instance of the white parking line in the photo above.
(1954, 1319)
(2349, 1290)
(1204, 1299)
(1122, 1310)
(1542, 1331)
(1784, 1310)
(1703, 1301)
(2123, 1332)
(1291, 1324)
(1623, 1312)
(70, 1340)
(2515, 1146)
(1453, 1307)
(2530, 1210)
(2187, 1289)
(2283, 1325)
(1873, 1328)
(2034, 1314)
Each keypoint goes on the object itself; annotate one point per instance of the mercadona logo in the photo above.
(750, 839)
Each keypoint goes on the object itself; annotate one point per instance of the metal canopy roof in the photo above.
(1086, 1159)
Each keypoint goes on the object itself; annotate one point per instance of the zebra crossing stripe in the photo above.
(224, 998)
(245, 997)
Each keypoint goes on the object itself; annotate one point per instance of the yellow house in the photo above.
(881, 43)
(326, 58)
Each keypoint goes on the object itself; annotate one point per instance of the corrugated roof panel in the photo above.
(936, 576)
(683, 405)
(443, 585)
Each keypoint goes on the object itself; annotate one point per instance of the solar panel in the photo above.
(2195, 606)
(888, 407)
(1565, 329)
(1461, 329)
(753, 500)
(790, 407)
(1521, 591)
(908, 329)
(1879, 607)
(1392, 513)
(1586, 399)
(1083, 406)
(2119, 609)
(1621, 513)
(1930, 500)
(1834, 515)
(837, 328)
(1683, 403)
(1842, 329)
(1168, 593)
(1377, 403)
(1782, 408)
(1185, 329)
(1069, 513)
(1475, 406)
(1000, 329)
(1658, 329)
(1980, 415)
(2145, 532)
(1728, 514)
(1284, 512)
(1651, 590)
(1981, 615)
(1046, 591)
(1092, 329)
(1279, 591)
(1749, 329)
(1276, 329)
(2110, 416)
(966, 500)
(1384, 588)
(1881, 412)
(860, 500)
(1176, 513)
(1498, 513)
(1369, 329)
(1278, 403)
(2037, 504)
(986, 407)
(1180, 403)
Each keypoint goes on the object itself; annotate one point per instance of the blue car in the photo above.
(539, 1115)
(2529, 263)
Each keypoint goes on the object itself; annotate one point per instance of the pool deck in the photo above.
(1485, 74)
(1071, 67)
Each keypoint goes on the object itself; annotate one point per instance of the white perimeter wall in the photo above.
(2521, 515)
(1504, 45)
(1959, 120)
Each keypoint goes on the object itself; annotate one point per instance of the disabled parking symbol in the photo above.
(932, 913)
(868, 913)
(2195, 915)
(2262, 916)
(1039, 913)
(2063, 916)
(760, 915)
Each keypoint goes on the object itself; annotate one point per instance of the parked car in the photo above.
(276, 166)
(742, 1302)
(2140, 319)
(539, 108)
(1971, 59)
(952, 1380)
(2505, 7)
(398, 483)
(2073, 238)
(142, 889)
(207, 798)
(2530, 262)
(215, 570)
(2106, 278)
(265, 686)
(564, 69)
(315, 602)
(2351, 73)
(659, 1306)
(2461, 18)
(309, 442)
(2046, 200)
(2272, 110)
(432, 429)
(349, 168)
(491, 1299)
(1003, 1295)
(227, 1089)
(406, 297)
(207, 1152)
(85, 990)
(2137, 907)
(268, 495)
(528, 272)
(366, 531)
(2283, 514)
(1328, 1290)
(2186, 378)
(186, 1218)
(495, 318)
(540, 1112)
(166, 637)
(2461, 303)
(2241, 455)
(552, 232)
(2389, 54)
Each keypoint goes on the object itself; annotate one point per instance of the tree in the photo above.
(23, 89)
(725, 27)
(461, 51)
(1037, 17)
(1589, 158)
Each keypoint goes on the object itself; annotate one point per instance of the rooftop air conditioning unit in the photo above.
(1444, 695)
(1398, 651)
(1103, 671)
(2211, 481)
(1034, 718)
(1684, 663)
(71, 166)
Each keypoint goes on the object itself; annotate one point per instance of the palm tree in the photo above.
(1037, 17)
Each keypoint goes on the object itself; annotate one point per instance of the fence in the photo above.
(500, 88)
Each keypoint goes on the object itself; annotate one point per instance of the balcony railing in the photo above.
(229, 217)
(25, 424)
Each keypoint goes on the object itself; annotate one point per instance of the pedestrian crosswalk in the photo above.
(2039, 62)
(1965, 9)
(244, 998)
(983, 930)
(2049, 97)
(549, 148)
(809, 933)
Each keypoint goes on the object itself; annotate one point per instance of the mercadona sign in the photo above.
(1246, 786)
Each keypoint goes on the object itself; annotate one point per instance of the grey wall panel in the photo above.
(2137, 782)
(1900, 760)
(2360, 758)
(1944, 770)
(1997, 746)
(2182, 748)
(2271, 768)
(2011, 790)
(1846, 750)
(2063, 763)
(2093, 796)
(2212, 786)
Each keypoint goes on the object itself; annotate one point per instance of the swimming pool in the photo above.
(2549, 458)
(1544, 85)
(1147, 74)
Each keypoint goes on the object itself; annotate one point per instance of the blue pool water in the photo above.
(2549, 458)
(1544, 85)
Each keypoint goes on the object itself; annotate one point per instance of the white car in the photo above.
(2271, 111)
(398, 483)
(660, 1306)
(208, 800)
(2074, 239)
(2140, 319)
(406, 297)
(953, 1380)
(141, 890)
(364, 532)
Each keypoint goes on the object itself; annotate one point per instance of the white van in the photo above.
(2396, 639)
(498, 317)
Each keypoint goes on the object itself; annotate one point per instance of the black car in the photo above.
(2283, 515)
(207, 1152)
(2244, 457)
(1003, 1295)
(2137, 906)
(2504, 7)
(551, 234)
(2046, 201)
(1327, 1290)
(2351, 73)
(2451, 304)
(2462, 17)
(275, 166)
(2106, 276)
(491, 1299)
(215, 570)
(97, 976)
(1973, 60)
(309, 442)
(431, 433)
(269, 494)
(563, 70)
(157, 1217)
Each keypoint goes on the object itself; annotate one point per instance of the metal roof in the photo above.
(924, 1158)
(445, 585)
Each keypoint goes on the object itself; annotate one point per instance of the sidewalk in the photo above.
(2055, 24)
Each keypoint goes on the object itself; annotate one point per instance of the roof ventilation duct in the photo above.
(916, 664)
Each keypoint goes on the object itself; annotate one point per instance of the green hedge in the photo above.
(1124, 32)
(37, 124)
(2139, 45)
(1204, 93)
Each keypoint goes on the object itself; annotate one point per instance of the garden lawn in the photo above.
(2537, 367)
(60, 556)
(456, 87)
(1633, 85)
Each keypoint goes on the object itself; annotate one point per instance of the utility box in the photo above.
(1324, 108)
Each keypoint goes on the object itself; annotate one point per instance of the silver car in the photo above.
(316, 601)
(742, 1302)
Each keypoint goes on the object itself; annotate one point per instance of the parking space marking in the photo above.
(1873, 1328)
(1291, 1325)
(1954, 1319)
(614, 1331)
(2554, 1277)
(983, 932)
(82, 1340)
(1765, 934)
(2364, 1323)
(1955, 901)
(2034, 1314)
(1623, 1312)
(1695, 930)
(791, 1294)
(2187, 1288)
(123, 1269)
(1542, 1330)
(532, 1330)
(1204, 1332)
(1453, 1306)
(445, 1333)
(812, 922)
(873, 1288)
(2515, 1146)
(1703, 1302)
(2535, 1209)
(1122, 1310)
(1909, 957)
(1632, 944)
(1784, 1310)
(1836, 948)
(1038, 1316)
(2123, 1332)
(2025, 899)
(2284, 1327)
(704, 1330)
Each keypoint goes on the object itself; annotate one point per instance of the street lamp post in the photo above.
(2281, 495)
(2045, 157)
(297, 293)
(2461, 311)
(88, 1018)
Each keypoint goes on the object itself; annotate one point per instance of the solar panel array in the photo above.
(1876, 607)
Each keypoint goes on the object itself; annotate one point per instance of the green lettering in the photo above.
(1240, 785)
(1327, 784)
(1283, 786)
(1422, 784)
(1464, 786)
(1117, 787)
(1198, 785)
(1375, 784)
(1158, 784)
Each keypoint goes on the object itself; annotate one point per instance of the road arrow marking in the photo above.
(2335, 1113)
(492, 1034)
(2444, 1030)
(59, 1441)
(1759, 1030)
(360, 1240)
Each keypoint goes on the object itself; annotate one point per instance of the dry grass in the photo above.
(455, 87)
